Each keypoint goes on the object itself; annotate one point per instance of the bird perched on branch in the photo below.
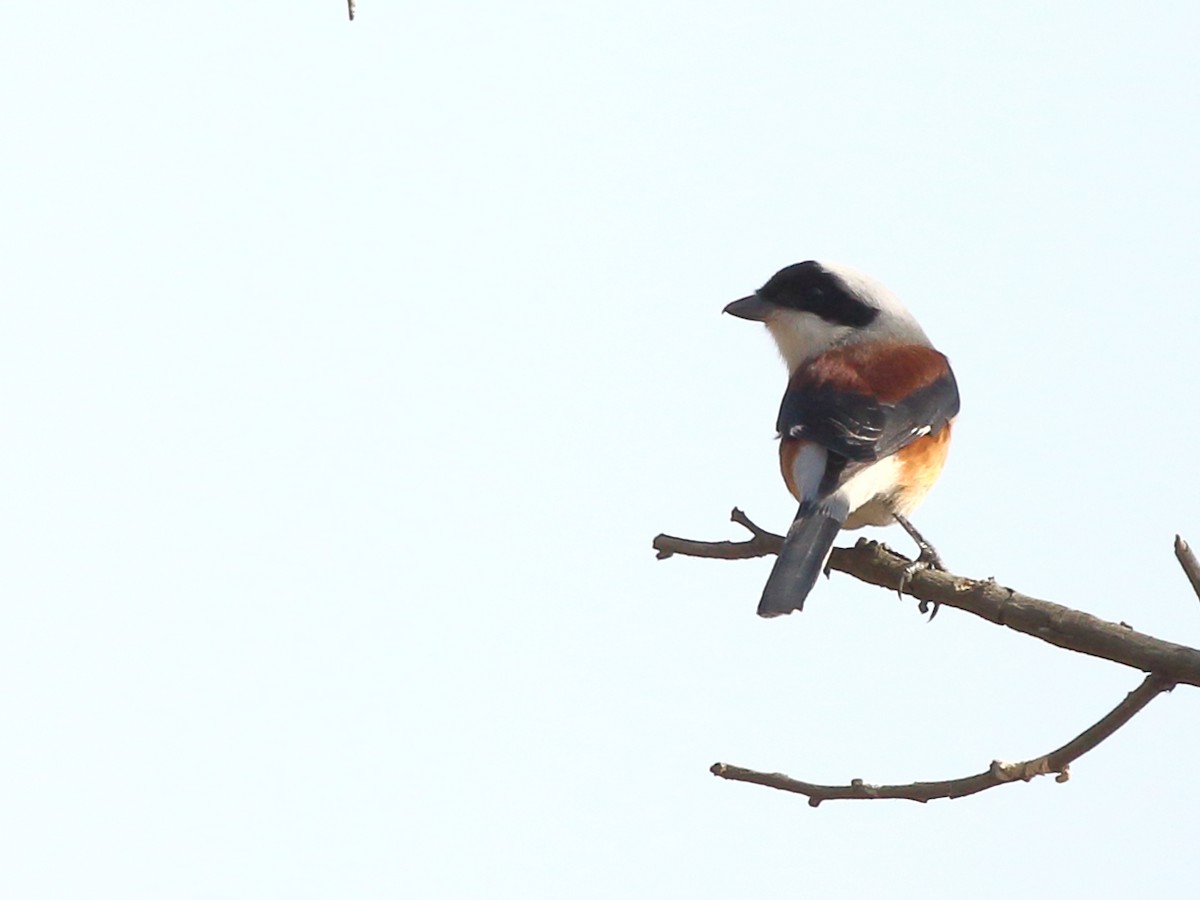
(865, 421)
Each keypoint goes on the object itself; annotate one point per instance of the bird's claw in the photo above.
(926, 560)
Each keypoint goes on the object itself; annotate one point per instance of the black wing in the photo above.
(860, 427)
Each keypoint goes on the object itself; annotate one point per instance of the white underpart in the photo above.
(869, 494)
(867, 497)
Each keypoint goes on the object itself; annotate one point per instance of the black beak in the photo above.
(753, 308)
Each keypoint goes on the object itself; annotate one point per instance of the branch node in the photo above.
(742, 519)
(1187, 559)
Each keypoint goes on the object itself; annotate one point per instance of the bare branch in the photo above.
(1187, 559)
(1061, 626)
(997, 773)
(350, 9)
(762, 544)
(1050, 622)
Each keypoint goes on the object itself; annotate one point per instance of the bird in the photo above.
(864, 425)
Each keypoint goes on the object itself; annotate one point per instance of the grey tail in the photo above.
(802, 559)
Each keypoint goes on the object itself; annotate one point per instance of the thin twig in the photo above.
(998, 773)
(762, 544)
(1187, 559)
(1061, 626)
(350, 9)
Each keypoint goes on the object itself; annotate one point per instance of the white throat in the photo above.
(802, 335)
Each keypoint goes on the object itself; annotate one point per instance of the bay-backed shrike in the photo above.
(865, 422)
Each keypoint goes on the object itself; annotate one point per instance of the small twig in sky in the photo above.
(762, 544)
(1187, 559)
(998, 773)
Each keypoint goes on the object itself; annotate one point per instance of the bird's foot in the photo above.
(928, 559)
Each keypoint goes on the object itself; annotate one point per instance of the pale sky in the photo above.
(349, 370)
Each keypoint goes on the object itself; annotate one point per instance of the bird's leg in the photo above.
(928, 558)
